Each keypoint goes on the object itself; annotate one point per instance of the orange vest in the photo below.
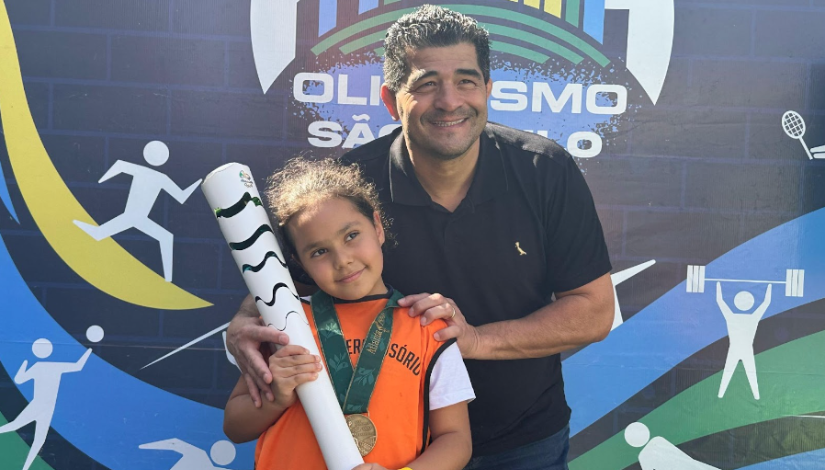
(398, 406)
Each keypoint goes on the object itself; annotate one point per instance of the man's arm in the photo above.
(578, 317)
(244, 337)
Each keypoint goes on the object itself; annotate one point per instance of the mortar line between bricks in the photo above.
(170, 15)
(176, 138)
(89, 287)
(727, 6)
(687, 158)
(693, 210)
(108, 57)
(168, 111)
(152, 86)
(753, 34)
(624, 232)
(132, 32)
(50, 110)
(806, 93)
(752, 58)
(14, 233)
(226, 65)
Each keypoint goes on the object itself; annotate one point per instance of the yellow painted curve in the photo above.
(104, 264)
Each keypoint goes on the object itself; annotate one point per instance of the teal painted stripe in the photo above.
(529, 54)
(531, 38)
(571, 14)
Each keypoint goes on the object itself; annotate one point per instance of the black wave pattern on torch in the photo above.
(275, 294)
(236, 208)
(251, 240)
(286, 320)
(269, 254)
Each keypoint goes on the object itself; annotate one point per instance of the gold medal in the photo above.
(363, 431)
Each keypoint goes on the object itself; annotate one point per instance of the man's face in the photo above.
(442, 105)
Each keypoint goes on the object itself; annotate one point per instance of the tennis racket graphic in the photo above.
(794, 126)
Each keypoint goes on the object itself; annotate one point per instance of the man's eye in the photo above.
(318, 252)
(351, 235)
(425, 86)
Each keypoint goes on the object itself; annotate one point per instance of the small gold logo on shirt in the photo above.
(520, 251)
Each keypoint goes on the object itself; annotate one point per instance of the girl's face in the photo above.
(340, 248)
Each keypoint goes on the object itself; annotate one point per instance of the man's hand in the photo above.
(431, 307)
(244, 337)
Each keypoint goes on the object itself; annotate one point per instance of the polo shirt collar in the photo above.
(489, 180)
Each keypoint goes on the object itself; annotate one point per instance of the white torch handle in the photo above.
(231, 192)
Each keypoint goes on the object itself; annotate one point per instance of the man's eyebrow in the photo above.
(470, 72)
(421, 73)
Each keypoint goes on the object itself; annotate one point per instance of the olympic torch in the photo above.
(231, 192)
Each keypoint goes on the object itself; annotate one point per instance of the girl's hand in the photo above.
(291, 366)
(369, 466)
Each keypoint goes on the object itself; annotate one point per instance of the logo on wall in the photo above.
(551, 74)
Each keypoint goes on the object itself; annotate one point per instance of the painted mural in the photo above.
(699, 126)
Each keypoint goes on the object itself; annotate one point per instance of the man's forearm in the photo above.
(575, 319)
(248, 308)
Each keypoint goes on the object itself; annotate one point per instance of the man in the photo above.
(495, 221)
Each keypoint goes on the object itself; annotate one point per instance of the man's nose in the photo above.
(448, 98)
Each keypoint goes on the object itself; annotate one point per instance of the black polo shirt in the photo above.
(527, 228)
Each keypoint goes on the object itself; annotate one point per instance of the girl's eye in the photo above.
(351, 235)
(318, 252)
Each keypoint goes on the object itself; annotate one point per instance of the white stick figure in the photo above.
(146, 187)
(46, 376)
(222, 453)
(659, 453)
(741, 331)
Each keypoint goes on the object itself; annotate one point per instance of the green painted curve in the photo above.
(492, 12)
(505, 31)
(14, 450)
(791, 383)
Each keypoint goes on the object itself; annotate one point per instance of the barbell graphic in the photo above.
(794, 281)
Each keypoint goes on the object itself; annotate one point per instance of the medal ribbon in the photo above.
(353, 388)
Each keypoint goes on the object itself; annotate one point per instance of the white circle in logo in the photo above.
(156, 153)
(94, 333)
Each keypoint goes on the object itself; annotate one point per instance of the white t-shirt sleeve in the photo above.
(449, 381)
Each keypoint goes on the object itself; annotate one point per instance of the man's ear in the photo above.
(388, 97)
(489, 88)
(379, 227)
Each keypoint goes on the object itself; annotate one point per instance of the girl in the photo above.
(404, 394)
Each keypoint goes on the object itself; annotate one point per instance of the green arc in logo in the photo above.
(569, 47)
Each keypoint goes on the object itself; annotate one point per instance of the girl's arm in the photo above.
(242, 420)
(290, 366)
(451, 446)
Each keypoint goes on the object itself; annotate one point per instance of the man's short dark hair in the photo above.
(431, 26)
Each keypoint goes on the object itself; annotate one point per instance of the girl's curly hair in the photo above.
(304, 183)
